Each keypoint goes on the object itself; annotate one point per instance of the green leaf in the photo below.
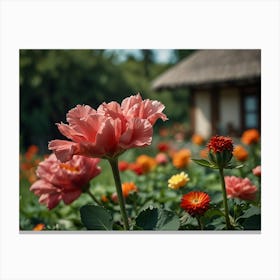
(250, 212)
(233, 166)
(157, 219)
(96, 217)
(204, 163)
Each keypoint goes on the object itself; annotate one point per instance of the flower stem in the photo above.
(93, 197)
(199, 223)
(114, 165)
(225, 198)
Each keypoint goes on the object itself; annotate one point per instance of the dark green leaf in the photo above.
(157, 219)
(252, 223)
(96, 217)
(250, 212)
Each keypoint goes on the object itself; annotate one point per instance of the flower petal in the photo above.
(64, 150)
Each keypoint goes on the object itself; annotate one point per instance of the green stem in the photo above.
(225, 198)
(93, 197)
(114, 165)
(199, 223)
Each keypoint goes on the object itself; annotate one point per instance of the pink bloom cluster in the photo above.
(63, 181)
(109, 130)
(240, 188)
(257, 171)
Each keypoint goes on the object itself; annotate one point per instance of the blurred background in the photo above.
(54, 81)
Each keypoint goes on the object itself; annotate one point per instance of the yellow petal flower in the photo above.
(178, 181)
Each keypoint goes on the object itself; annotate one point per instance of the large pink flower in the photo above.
(240, 188)
(63, 181)
(109, 130)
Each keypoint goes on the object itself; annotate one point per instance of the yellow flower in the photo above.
(178, 181)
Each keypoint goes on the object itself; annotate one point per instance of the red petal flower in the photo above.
(195, 203)
(220, 144)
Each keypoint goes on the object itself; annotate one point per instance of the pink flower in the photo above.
(109, 130)
(240, 188)
(257, 171)
(63, 181)
(161, 158)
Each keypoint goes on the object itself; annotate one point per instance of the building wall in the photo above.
(202, 113)
(229, 109)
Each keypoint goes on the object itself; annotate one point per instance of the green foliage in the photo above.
(96, 218)
(157, 219)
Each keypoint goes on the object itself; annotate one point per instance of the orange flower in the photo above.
(240, 153)
(219, 144)
(204, 153)
(147, 163)
(195, 203)
(197, 139)
(104, 198)
(39, 227)
(250, 136)
(128, 187)
(181, 158)
(31, 152)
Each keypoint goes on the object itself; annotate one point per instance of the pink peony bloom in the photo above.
(109, 130)
(257, 171)
(240, 188)
(63, 181)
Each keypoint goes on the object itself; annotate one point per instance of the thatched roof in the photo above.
(206, 67)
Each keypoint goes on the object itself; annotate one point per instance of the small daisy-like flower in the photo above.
(178, 181)
(218, 144)
(195, 203)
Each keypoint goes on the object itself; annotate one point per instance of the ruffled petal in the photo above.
(138, 134)
(64, 150)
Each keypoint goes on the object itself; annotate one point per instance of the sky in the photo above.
(161, 55)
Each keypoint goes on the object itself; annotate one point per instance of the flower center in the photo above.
(69, 167)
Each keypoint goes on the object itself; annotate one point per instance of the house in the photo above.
(225, 89)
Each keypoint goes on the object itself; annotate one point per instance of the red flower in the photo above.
(195, 203)
(218, 144)
(123, 165)
(63, 181)
(136, 168)
(163, 147)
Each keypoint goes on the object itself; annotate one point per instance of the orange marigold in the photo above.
(250, 136)
(197, 139)
(195, 203)
(181, 158)
(128, 187)
(147, 163)
(240, 153)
